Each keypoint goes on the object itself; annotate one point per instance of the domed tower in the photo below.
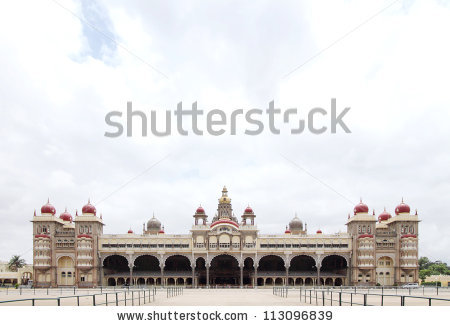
(296, 226)
(248, 214)
(200, 215)
(153, 226)
(224, 209)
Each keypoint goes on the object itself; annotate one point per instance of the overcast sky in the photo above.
(66, 64)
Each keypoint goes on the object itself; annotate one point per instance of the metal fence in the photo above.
(174, 291)
(355, 298)
(96, 297)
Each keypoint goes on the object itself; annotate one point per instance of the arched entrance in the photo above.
(271, 266)
(200, 271)
(66, 271)
(302, 265)
(385, 271)
(248, 271)
(146, 266)
(224, 270)
(333, 266)
(177, 266)
(115, 266)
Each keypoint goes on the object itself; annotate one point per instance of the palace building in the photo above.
(225, 251)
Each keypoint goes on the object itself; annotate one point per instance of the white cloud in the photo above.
(393, 72)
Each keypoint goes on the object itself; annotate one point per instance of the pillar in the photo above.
(193, 275)
(242, 276)
(256, 276)
(318, 274)
(207, 275)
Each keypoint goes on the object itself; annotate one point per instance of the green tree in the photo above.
(439, 269)
(15, 263)
(424, 263)
(424, 273)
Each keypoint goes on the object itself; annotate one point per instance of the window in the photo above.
(82, 279)
(69, 274)
(63, 274)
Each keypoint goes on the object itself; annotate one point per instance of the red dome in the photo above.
(200, 210)
(89, 208)
(130, 231)
(402, 208)
(361, 208)
(248, 210)
(287, 231)
(66, 216)
(48, 209)
(384, 216)
(319, 231)
(161, 231)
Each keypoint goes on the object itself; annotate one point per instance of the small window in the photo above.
(63, 274)
(82, 279)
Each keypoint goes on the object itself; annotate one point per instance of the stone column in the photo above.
(131, 273)
(207, 275)
(318, 274)
(287, 273)
(242, 276)
(193, 275)
(256, 276)
(162, 274)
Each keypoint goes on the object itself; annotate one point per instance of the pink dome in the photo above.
(319, 231)
(248, 210)
(402, 208)
(89, 208)
(130, 231)
(384, 216)
(361, 208)
(48, 208)
(200, 210)
(66, 216)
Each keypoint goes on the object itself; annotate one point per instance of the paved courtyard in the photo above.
(223, 297)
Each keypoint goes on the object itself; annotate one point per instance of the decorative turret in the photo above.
(153, 226)
(200, 215)
(248, 214)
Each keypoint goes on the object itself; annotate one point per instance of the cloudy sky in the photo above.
(66, 64)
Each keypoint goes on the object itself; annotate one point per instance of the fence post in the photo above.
(73, 290)
(59, 301)
(340, 298)
(117, 299)
(331, 301)
(365, 299)
(351, 299)
(382, 299)
(402, 300)
(323, 298)
(78, 300)
(32, 302)
(106, 298)
(429, 301)
(93, 300)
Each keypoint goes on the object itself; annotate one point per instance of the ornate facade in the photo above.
(225, 252)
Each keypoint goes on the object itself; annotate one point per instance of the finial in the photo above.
(76, 212)
(35, 212)
(348, 215)
(296, 215)
(101, 216)
(402, 199)
(374, 211)
(416, 211)
(360, 199)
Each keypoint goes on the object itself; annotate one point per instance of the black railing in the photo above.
(355, 298)
(101, 298)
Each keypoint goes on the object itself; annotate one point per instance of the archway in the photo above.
(309, 281)
(302, 265)
(66, 271)
(333, 265)
(200, 271)
(146, 266)
(116, 265)
(111, 281)
(271, 265)
(248, 271)
(338, 281)
(385, 271)
(224, 270)
(177, 266)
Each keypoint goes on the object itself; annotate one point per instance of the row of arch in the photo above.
(223, 269)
